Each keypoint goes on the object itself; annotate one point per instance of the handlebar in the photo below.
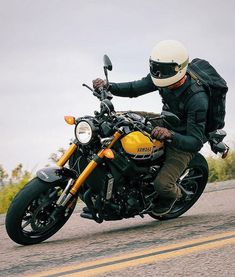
(105, 96)
(102, 93)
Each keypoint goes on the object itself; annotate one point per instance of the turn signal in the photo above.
(225, 153)
(108, 153)
(69, 119)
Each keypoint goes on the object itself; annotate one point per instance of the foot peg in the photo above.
(87, 215)
(86, 210)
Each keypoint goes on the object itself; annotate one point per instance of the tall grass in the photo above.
(221, 169)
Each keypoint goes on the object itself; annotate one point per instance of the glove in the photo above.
(98, 83)
(161, 133)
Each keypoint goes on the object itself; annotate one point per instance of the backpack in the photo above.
(204, 74)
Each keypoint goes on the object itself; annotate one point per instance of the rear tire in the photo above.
(195, 181)
(30, 219)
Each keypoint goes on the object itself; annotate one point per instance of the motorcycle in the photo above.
(111, 166)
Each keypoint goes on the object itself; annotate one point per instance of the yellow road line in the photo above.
(143, 256)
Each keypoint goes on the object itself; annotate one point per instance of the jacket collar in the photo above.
(177, 92)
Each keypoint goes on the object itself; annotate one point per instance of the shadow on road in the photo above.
(186, 222)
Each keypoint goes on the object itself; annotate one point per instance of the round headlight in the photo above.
(83, 132)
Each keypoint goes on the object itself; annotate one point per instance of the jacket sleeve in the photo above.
(196, 110)
(133, 89)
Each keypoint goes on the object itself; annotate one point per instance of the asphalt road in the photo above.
(199, 243)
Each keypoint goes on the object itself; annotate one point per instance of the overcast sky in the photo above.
(49, 48)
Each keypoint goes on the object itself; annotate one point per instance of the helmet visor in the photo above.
(165, 70)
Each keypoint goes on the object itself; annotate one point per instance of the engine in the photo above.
(125, 202)
(126, 199)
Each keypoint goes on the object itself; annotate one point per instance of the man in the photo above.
(168, 74)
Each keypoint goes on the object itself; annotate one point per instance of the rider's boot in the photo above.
(162, 206)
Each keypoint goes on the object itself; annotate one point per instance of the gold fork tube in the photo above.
(63, 160)
(83, 176)
(91, 166)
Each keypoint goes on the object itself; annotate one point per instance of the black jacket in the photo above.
(190, 135)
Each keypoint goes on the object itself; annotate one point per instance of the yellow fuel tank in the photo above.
(139, 146)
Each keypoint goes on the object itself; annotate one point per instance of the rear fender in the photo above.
(55, 174)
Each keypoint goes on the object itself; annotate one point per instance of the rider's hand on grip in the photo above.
(161, 133)
(98, 84)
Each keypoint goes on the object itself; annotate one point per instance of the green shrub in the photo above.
(11, 184)
(221, 169)
(8, 192)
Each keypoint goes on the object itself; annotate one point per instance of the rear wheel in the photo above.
(33, 215)
(193, 182)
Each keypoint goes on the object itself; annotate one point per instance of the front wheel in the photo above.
(33, 215)
(193, 181)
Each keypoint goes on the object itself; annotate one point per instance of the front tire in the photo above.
(194, 181)
(33, 216)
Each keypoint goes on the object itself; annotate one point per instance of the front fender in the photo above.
(56, 173)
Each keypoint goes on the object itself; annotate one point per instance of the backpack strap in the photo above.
(195, 88)
(192, 75)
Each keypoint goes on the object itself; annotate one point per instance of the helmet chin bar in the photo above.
(179, 83)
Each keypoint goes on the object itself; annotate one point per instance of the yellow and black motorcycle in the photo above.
(110, 166)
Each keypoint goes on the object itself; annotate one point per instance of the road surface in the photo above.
(199, 243)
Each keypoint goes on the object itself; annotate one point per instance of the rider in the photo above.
(168, 74)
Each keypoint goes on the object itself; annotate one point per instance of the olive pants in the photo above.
(176, 161)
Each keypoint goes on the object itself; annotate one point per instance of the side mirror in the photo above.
(107, 66)
(107, 63)
(170, 118)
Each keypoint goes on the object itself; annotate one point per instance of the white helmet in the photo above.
(168, 63)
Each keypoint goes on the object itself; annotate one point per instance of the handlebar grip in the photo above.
(148, 129)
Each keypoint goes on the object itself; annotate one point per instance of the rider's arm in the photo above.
(133, 89)
(194, 138)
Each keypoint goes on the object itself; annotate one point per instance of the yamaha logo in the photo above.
(146, 149)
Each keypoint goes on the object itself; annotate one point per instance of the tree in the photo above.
(3, 175)
(18, 174)
(54, 157)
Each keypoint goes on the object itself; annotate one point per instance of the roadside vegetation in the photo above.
(11, 184)
(220, 170)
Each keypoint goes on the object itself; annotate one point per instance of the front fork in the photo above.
(73, 186)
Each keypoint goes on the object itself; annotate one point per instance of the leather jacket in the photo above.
(189, 136)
